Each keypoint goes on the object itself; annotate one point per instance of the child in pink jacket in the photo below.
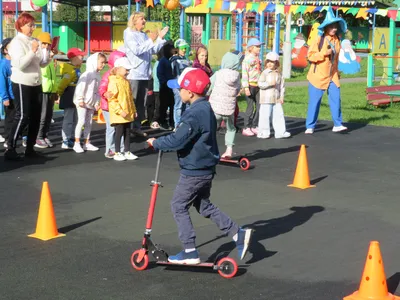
(110, 130)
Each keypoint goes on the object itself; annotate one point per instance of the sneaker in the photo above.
(119, 156)
(24, 141)
(52, 121)
(243, 241)
(90, 147)
(247, 132)
(11, 154)
(5, 145)
(228, 153)
(130, 156)
(309, 131)
(67, 145)
(41, 143)
(49, 143)
(255, 130)
(2, 139)
(183, 258)
(285, 135)
(261, 135)
(339, 128)
(78, 148)
(109, 154)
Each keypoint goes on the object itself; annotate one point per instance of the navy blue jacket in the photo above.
(164, 71)
(5, 81)
(195, 140)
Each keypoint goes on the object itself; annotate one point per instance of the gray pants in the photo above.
(47, 114)
(139, 92)
(253, 107)
(69, 124)
(195, 190)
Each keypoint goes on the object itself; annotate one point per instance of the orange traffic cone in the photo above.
(46, 227)
(301, 178)
(373, 281)
(100, 117)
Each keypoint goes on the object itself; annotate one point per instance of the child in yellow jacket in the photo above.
(122, 107)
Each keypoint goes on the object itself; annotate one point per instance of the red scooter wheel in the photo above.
(244, 163)
(227, 267)
(142, 264)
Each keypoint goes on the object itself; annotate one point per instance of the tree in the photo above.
(67, 13)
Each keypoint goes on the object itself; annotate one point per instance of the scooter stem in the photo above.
(153, 198)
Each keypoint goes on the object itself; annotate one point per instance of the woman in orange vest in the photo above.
(323, 74)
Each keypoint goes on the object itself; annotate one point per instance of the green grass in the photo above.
(354, 107)
(300, 76)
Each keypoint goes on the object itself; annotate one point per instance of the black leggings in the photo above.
(122, 130)
(28, 107)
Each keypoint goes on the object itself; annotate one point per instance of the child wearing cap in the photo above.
(49, 95)
(87, 100)
(179, 62)
(272, 91)
(122, 107)
(195, 141)
(225, 89)
(104, 94)
(6, 93)
(251, 70)
(70, 73)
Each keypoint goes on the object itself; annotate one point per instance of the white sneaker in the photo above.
(119, 156)
(78, 148)
(130, 156)
(309, 131)
(285, 135)
(90, 147)
(339, 128)
(2, 139)
(261, 135)
(5, 145)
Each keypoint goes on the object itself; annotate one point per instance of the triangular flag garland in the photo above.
(295, 8)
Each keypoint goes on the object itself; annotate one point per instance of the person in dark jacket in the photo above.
(195, 141)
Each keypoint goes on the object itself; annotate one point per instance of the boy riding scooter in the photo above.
(196, 144)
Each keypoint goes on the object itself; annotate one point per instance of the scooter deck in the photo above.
(200, 265)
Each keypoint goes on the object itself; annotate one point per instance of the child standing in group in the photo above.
(6, 93)
(195, 141)
(251, 70)
(70, 73)
(122, 107)
(179, 62)
(156, 93)
(110, 130)
(87, 100)
(272, 91)
(164, 73)
(49, 95)
(201, 60)
(225, 89)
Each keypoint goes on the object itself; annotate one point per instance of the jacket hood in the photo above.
(91, 63)
(114, 56)
(230, 61)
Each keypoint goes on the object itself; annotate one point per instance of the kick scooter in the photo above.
(243, 162)
(226, 266)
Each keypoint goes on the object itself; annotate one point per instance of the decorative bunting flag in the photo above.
(293, 8)
(353, 11)
(324, 8)
(318, 8)
(301, 9)
(225, 5)
(362, 13)
(310, 9)
(279, 9)
(372, 10)
(344, 9)
(270, 7)
(232, 6)
(382, 12)
(248, 6)
(197, 2)
(392, 14)
(241, 5)
(218, 5)
(156, 2)
(149, 3)
(263, 6)
(286, 9)
(255, 7)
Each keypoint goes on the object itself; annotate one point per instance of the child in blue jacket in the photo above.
(6, 94)
(195, 141)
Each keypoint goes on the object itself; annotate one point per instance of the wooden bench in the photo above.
(376, 95)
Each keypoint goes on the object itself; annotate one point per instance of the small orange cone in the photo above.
(301, 177)
(373, 281)
(100, 117)
(46, 227)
